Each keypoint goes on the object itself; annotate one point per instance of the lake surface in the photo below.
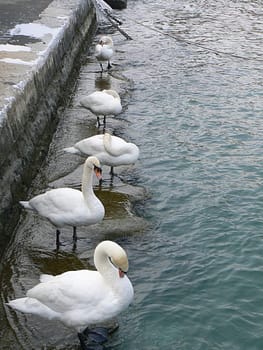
(189, 213)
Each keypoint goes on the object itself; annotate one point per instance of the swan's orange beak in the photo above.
(121, 273)
(98, 172)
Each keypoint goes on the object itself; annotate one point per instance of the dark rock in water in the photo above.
(117, 4)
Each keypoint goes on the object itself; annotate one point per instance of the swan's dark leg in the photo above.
(101, 66)
(109, 65)
(111, 176)
(75, 237)
(57, 238)
(82, 339)
(104, 120)
(98, 121)
(113, 328)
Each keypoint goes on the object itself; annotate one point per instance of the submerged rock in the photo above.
(117, 4)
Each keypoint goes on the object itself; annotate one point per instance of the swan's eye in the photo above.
(112, 262)
(97, 169)
(121, 272)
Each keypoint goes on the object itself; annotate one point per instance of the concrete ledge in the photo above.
(32, 94)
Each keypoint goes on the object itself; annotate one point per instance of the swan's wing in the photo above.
(114, 145)
(56, 201)
(104, 53)
(62, 206)
(91, 146)
(72, 150)
(71, 290)
(98, 49)
(96, 100)
(90, 100)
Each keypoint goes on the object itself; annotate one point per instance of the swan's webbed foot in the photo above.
(92, 339)
(88, 345)
(99, 334)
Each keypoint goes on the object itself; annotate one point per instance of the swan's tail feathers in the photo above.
(80, 102)
(19, 304)
(45, 277)
(26, 205)
(32, 306)
(84, 102)
(72, 150)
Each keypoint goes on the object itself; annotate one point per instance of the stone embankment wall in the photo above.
(29, 117)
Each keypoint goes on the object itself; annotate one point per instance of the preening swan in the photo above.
(81, 298)
(102, 103)
(110, 150)
(104, 51)
(67, 206)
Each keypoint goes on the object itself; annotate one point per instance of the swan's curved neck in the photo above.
(86, 186)
(104, 266)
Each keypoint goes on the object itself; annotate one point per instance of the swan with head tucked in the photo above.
(68, 206)
(102, 103)
(110, 150)
(104, 51)
(82, 298)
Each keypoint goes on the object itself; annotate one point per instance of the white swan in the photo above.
(105, 102)
(82, 298)
(104, 50)
(110, 150)
(67, 206)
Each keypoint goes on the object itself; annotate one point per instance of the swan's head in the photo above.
(120, 262)
(106, 40)
(115, 255)
(112, 93)
(93, 163)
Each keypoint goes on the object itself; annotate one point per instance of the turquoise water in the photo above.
(194, 107)
(197, 114)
